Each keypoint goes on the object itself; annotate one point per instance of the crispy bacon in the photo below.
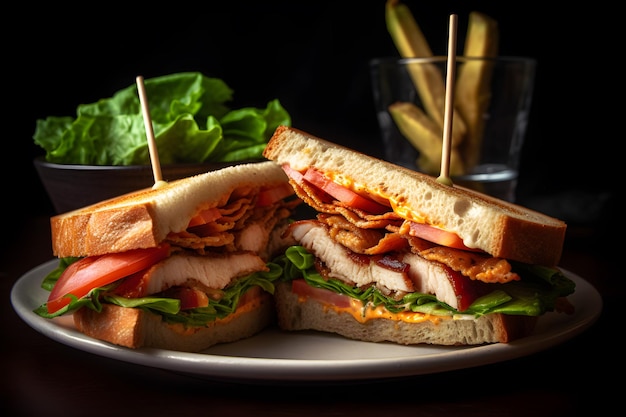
(323, 203)
(359, 240)
(474, 265)
(218, 233)
(192, 241)
(243, 225)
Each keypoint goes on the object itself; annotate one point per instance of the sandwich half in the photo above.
(394, 255)
(182, 266)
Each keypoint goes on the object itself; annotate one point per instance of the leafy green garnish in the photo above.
(533, 295)
(191, 119)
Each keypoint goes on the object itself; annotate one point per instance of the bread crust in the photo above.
(295, 313)
(135, 328)
(497, 227)
(144, 218)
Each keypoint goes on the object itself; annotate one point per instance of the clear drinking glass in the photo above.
(492, 100)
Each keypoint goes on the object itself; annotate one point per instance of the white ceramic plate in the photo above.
(276, 356)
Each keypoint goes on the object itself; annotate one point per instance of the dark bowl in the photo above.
(74, 186)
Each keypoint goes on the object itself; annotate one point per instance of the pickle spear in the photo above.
(425, 136)
(428, 79)
(473, 90)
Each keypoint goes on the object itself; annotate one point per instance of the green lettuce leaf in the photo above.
(191, 118)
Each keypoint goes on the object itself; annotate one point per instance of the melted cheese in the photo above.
(406, 213)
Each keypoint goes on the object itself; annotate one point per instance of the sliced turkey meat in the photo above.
(214, 271)
(346, 266)
(399, 272)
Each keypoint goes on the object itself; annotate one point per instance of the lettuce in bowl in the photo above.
(191, 118)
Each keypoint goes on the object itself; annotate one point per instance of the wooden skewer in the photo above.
(444, 176)
(147, 120)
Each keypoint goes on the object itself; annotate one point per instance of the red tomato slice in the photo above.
(272, 195)
(343, 194)
(132, 286)
(293, 174)
(438, 236)
(88, 273)
(205, 216)
(301, 288)
(249, 296)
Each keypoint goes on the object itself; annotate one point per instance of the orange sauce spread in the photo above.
(363, 314)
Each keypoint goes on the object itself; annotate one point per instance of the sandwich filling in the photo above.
(194, 276)
(359, 247)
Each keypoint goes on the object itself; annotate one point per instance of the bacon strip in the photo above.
(229, 232)
(363, 241)
(474, 265)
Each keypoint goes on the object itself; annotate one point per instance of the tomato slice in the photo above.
(132, 286)
(343, 194)
(271, 195)
(189, 297)
(295, 175)
(302, 289)
(205, 216)
(438, 236)
(96, 271)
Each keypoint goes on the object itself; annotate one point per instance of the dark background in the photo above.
(313, 56)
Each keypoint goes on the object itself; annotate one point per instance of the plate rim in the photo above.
(255, 369)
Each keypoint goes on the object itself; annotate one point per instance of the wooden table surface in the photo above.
(41, 377)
